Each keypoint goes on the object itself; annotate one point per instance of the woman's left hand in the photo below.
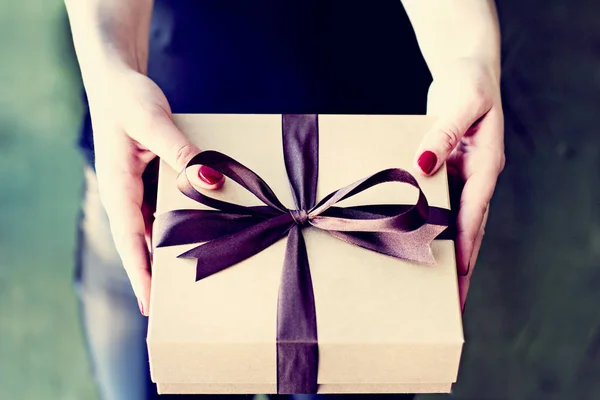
(469, 135)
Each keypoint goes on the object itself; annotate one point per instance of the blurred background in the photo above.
(532, 321)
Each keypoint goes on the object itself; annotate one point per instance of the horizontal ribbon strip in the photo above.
(231, 233)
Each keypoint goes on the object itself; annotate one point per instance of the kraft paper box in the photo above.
(384, 325)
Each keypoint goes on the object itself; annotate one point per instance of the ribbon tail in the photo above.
(414, 246)
(443, 216)
(196, 226)
(224, 252)
(297, 349)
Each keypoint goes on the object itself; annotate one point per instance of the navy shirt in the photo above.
(268, 56)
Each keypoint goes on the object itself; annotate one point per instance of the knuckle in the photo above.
(183, 153)
(502, 162)
(483, 208)
(480, 98)
(449, 136)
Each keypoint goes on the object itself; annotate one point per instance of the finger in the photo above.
(477, 244)
(475, 198)
(133, 249)
(121, 192)
(463, 288)
(162, 137)
(465, 280)
(447, 132)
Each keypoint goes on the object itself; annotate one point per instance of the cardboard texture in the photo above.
(384, 325)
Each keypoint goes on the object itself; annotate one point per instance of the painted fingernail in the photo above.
(141, 306)
(427, 161)
(209, 175)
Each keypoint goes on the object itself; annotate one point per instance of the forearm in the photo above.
(452, 30)
(109, 35)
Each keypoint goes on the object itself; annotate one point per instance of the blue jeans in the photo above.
(115, 331)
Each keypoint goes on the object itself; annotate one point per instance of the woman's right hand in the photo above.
(132, 124)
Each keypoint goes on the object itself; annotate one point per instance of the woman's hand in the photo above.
(132, 124)
(469, 135)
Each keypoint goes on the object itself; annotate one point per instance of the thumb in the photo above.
(454, 119)
(443, 137)
(166, 141)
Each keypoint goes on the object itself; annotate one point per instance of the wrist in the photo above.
(491, 66)
(105, 76)
(482, 66)
(110, 38)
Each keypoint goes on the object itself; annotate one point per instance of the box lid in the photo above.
(379, 319)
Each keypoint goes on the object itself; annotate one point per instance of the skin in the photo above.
(132, 120)
(469, 137)
(460, 42)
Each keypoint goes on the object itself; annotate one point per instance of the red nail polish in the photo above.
(209, 175)
(427, 161)
(141, 306)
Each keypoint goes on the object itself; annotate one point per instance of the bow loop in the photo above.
(233, 233)
(237, 173)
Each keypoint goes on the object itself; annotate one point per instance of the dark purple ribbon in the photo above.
(233, 233)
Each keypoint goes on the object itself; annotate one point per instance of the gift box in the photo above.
(321, 307)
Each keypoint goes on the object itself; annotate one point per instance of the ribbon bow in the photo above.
(233, 233)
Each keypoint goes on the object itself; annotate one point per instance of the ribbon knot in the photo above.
(231, 233)
(300, 217)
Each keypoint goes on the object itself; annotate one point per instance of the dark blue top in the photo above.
(269, 56)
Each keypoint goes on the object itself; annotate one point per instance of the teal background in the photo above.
(41, 348)
(532, 321)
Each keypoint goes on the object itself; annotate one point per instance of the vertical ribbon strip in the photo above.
(230, 233)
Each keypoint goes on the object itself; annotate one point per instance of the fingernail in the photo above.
(141, 306)
(427, 161)
(209, 175)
